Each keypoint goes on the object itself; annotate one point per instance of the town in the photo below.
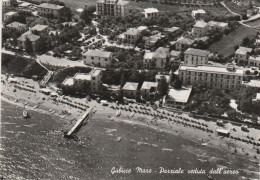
(161, 58)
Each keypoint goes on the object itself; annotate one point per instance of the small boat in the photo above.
(25, 114)
(244, 128)
(118, 113)
(131, 115)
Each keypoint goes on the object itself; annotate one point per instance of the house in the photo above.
(214, 25)
(149, 89)
(183, 43)
(39, 29)
(151, 40)
(171, 30)
(254, 61)
(93, 79)
(196, 57)
(177, 98)
(97, 57)
(252, 83)
(241, 54)
(17, 26)
(175, 55)
(220, 77)
(111, 8)
(8, 3)
(198, 13)
(257, 43)
(46, 9)
(130, 89)
(151, 13)
(131, 35)
(34, 39)
(200, 29)
(257, 98)
(10, 14)
(157, 59)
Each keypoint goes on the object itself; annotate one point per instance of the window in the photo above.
(92, 57)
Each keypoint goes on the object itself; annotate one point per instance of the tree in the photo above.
(87, 14)
(177, 84)
(65, 14)
(28, 46)
(246, 42)
(163, 86)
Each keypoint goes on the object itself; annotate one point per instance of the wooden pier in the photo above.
(79, 122)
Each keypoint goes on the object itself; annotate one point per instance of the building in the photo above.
(214, 25)
(198, 13)
(10, 14)
(175, 55)
(200, 29)
(195, 57)
(156, 60)
(252, 83)
(34, 39)
(257, 98)
(149, 90)
(151, 13)
(151, 40)
(245, 3)
(211, 76)
(257, 43)
(8, 3)
(93, 79)
(171, 30)
(241, 54)
(177, 98)
(130, 89)
(17, 26)
(39, 29)
(167, 77)
(114, 8)
(98, 58)
(46, 9)
(183, 43)
(131, 35)
(254, 61)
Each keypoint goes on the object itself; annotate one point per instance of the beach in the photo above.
(35, 148)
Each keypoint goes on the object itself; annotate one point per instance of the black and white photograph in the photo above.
(130, 90)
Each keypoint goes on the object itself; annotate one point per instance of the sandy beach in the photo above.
(198, 138)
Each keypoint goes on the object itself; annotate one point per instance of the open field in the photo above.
(226, 44)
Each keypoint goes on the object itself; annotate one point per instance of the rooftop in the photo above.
(184, 40)
(180, 95)
(68, 81)
(215, 23)
(253, 83)
(39, 27)
(172, 29)
(175, 53)
(151, 10)
(11, 13)
(130, 86)
(16, 24)
(118, 2)
(82, 76)
(200, 24)
(149, 85)
(98, 53)
(243, 50)
(212, 69)
(197, 52)
(252, 58)
(28, 35)
(50, 6)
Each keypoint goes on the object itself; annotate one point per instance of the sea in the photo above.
(35, 148)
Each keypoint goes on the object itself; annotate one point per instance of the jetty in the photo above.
(79, 122)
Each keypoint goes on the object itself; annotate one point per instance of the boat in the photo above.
(25, 114)
(118, 113)
(244, 128)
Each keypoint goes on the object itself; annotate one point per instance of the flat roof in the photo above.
(212, 69)
(82, 76)
(149, 85)
(200, 24)
(16, 24)
(50, 6)
(243, 50)
(257, 58)
(68, 81)
(130, 86)
(180, 95)
(151, 10)
(10, 13)
(98, 53)
(39, 27)
(253, 83)
(197, 52)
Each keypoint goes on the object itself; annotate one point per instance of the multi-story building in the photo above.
(157, 59)
(241, 54)
(93, 79)
(17, 26)
(183, 43)
(151, 13)
(149, 89)
(39, 29)
(200, 29)
(131, 35)
(213, 25)
(195, 57)
(115, 8)
(97, 57)
(177, 98)
(254, 61)
(211, 76)
(130, 89)
(8, 3)
(45, 9)
(34, 39)
(10, 14)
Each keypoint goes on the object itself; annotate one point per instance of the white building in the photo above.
(211, 76)
(9, 14)
(252, 83)
(6, 3)
(93, 79)
(39, 29)
(34, 39)
(177, 98)
(17, 25)
(130, 89)
(114, 8)
(200, 29)
(198, 12)
(183, 43)
(196, 57)
(157, 59)
(151, 13)
(175, 55)
(213, 25)
(45, 9)
(149, 89)
(131, 35)
(254, 61)
(97, 57)
(241, 54)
